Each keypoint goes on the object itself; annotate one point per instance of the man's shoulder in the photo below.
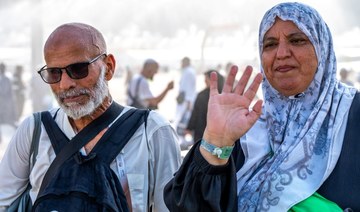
(155, 119)
(204, 92)
(135, 78)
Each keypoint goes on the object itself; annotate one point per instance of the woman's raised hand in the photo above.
(229, 116)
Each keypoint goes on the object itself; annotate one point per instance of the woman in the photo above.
(301, 152)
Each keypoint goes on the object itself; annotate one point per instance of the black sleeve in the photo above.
(195, 114)
(343, 184)
(199, 186)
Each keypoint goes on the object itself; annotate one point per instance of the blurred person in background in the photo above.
(185, 98)
(344, 77)
(128, 75)
(138, 91)
(7, 104)
(19, 91)
(40, 94)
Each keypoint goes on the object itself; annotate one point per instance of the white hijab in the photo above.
(295, 144)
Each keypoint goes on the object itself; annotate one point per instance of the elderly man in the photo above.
(78, 69)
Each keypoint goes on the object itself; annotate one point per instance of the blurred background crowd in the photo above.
(213, 34)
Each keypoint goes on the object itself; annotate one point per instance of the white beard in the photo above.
(97, 95)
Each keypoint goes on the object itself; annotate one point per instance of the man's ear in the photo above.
(110, 66)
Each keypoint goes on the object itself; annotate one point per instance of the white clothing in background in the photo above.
(188, 86)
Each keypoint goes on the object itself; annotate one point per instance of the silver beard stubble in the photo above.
(97, 95)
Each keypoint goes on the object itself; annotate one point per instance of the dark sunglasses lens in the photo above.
(51, 75)
(78, 70)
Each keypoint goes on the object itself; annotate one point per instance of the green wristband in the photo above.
(220, 152)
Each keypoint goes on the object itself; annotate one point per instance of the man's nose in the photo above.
(66, 81)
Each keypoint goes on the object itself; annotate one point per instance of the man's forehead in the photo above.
(67, 36)
(78, 34)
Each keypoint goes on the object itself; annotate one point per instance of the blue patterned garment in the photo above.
(295, 144)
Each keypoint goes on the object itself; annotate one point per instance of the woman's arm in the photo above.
(205, 182)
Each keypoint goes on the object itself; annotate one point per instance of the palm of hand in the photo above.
(228, 115)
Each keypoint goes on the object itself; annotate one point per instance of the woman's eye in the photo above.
(268, 45)
(298, 41)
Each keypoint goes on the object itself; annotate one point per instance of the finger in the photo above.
(257, 107)
(250, 93)
(240, 87)
(213, 84)
(255, 112)
(229, 83)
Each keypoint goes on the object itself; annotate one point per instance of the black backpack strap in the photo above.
(56, 135)
(24, 198)
(58, 138)
(60, 142)
(114, 140)
(34, 148)
(137, 87)
(117, 136)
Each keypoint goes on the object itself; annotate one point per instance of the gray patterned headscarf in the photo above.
(295, 144)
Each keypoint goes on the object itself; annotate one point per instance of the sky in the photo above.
(210, 31)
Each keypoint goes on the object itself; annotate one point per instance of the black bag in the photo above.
(135, 99)
(87, 183)
(180, 98)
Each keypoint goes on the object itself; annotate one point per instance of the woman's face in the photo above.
(288, 58)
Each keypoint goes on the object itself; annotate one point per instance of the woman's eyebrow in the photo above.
(296, 34)
(270, 37)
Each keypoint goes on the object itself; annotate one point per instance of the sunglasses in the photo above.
(74, 71)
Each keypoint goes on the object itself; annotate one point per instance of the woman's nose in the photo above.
(283, 50)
